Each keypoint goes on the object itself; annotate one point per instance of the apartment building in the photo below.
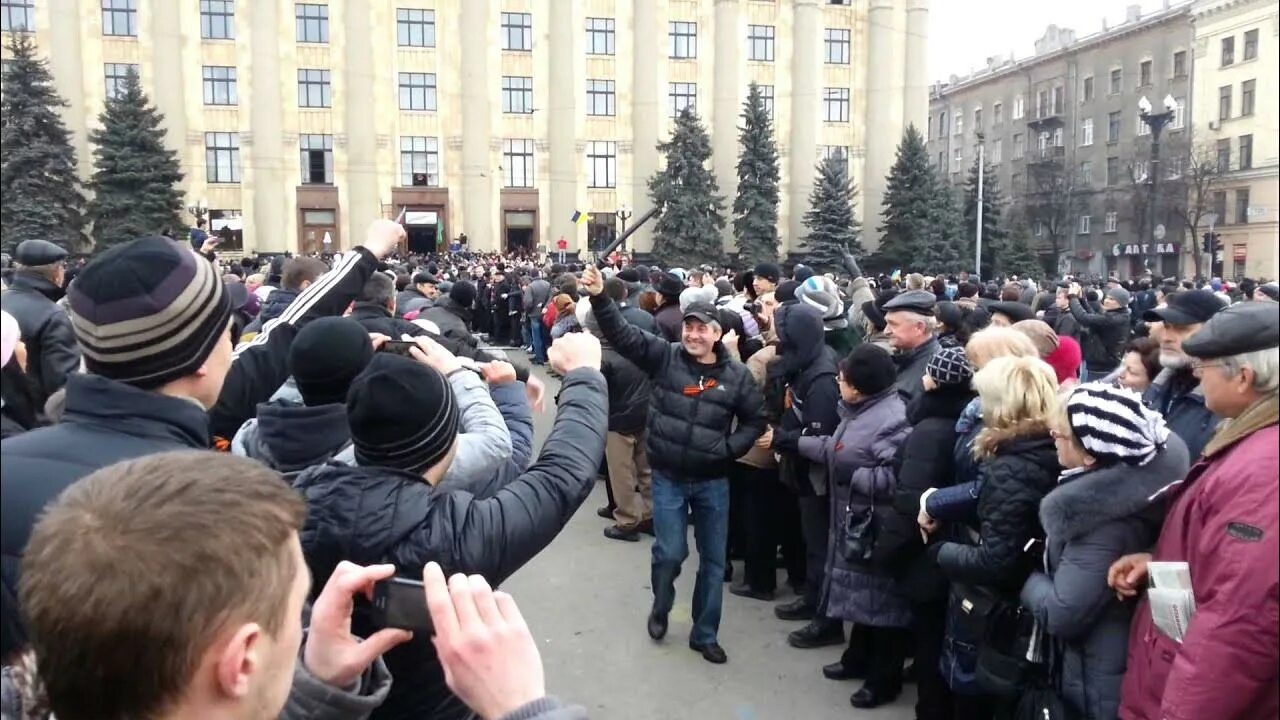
(489, 120)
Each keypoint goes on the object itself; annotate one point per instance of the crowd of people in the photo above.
(212, 468)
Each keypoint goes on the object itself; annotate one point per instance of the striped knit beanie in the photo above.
(1111, 424)
(402, 414)
(148, 312)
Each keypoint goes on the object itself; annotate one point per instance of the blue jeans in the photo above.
(672, 502)
(538, 338)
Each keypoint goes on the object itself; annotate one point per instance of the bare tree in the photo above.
(1201, 177)
(1050, 200)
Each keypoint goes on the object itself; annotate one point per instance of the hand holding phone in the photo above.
(397, 347)
(401, 603)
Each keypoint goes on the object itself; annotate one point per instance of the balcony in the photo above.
(1047, 117)
(1051, 154)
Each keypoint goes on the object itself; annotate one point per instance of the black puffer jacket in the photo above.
(52, 350)
(276, 303)
(630, 392)
(1022, 471)
(694, 406)
(378, 515)
(1107, 333)
(453, 320)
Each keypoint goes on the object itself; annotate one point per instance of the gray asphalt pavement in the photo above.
(586, 599)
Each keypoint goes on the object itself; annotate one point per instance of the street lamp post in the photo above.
(1155, 121)
(624, 214)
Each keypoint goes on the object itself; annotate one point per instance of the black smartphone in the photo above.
(397, 347)
(401, 603)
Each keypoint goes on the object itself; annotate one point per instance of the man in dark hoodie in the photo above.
(297, 275)
(453, 314)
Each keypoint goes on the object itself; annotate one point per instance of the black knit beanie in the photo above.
(463, 293)
(402, 414)
(869, 369)
(326, 356)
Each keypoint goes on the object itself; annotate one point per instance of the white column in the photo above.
(806, 102)
(271, 170)
(67, 64)
(725, 106)
(563, 95)
(883, 93)
(363, 204)
(915, 100)
(166, 38)
(478, 173)
(646, 112)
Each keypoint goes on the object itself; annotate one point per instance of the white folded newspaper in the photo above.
(1171, 598)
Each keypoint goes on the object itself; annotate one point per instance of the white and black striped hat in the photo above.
(1111, 423)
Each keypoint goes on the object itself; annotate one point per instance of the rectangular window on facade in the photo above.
(18, 15)
(419, 162)
(997, 151)
(977, 120)
(1224, 155)
(1117, 79)
(1220, 205)
(1039, 228)
(1019, 147)
(839, 153)
(1144, 73)
(600, 36)
(766, 97)
(115, 74)
(1228, 50)
(602, 229)
(1180, 64)
(684, 40)
(1042, 103)
(1113, 171)
(1179, 114)
(1113, 127)
(1015, 182)
(602, 164)
(517, 94)
(1019, 107)
(517, 161)
(997, 113)
(1086, 132)
(1250, 45)
(1059, 96)
(1142, 128)
(1245, 151)
(760, 42)
(120, 17)
(317, 159)
(1042, 142)
(517, 34)
(1083, 225)
(1174, 167)
(1086, 172)
(222, 157)
(1247, 94)
(601, 97)
(1224, 102)
(1239, 258)
(314, 89)
(835, 105)
(217, 19)
(311, 23)
(1112, 220)
(836, 44)
(219, 85)
(942, 124)
(1057, 137)
(682, 95)
(417, 91)
(957, 160)
(415, 27)
(1086, 89)
(959, 122)
(1242, 206)
(1138, 171)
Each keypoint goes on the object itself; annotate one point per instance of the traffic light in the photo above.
(1210, 242)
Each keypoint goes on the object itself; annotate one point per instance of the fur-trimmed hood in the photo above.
(1116, 491)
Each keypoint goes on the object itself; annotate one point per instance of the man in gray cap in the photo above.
(1106, 327)
(52, 350)
(1175, 392)
(909, 323)
(1224, 523)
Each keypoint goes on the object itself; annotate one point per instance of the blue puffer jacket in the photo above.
(1177, 396)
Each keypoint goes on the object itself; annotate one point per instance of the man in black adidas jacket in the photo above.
(706, 411)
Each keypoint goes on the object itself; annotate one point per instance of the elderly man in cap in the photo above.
(1223, 523)
(52, 350)
(1106, 326)
(1175, 393)
(909, 323)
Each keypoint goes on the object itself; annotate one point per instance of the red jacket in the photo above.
(1223, 523)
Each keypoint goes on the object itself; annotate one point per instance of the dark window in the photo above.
(417, 91)
(600, 36)
(1086, 89)
(229, 226)
(684, 39)
(1224, 155)
(217, 19)
(314, 90)
(1180, 63)
(120, 17)
(415, 27)
(222, 157)
(1247, 92)
(601, 97)
(219, 85)
(1113, 171)
(836, 45)
(419, 162)
(1117, 77)
(1250, 44)
(1220, 205)
(517, 95)
(1059, 100)
(1246, 151)
(1224, 102)
(317, 159)
(977, 120)
(115, 75)
(1242, 206)
(517, 31)
(18, 15)
(942, 124)
(602, 229)
(1228, 50)
(766, 96)
(1144, 73)
(835, 104)
(760, 42)
(682, 95)
(311, 23)
(602, 164)
(1113, 126)
(517, 158)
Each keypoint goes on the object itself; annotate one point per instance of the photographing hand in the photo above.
(333, 654)
(378, 340)
(489, 657)
(1128, 574)
(498, 372)
(574, 350)
(431, 353)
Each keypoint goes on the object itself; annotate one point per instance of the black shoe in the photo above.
(839, 671)
(605, 512)
(818, 633)
(869, 697)
(711, 652)
(746, 592)
(797, 609)
(646, 527)
(657, 625)
(617, 532)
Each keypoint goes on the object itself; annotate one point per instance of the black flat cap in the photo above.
(34, 253)
(1188, 307)
(1241, 328)
(916, 301)
(669, 285)
(702, 312)
(1015, 311)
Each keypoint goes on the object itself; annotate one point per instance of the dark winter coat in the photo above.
(1108, 332)
(1177, 396)
(52, 350)
(276, 303)
(640, 319)
(453, 320)
(803, 373)
(670, 321)
(289, 437)
(1063, 323)
(694, 407)
(411, 299)
(859, 459)
(911, 365)
(630, 392)
(1091, 520)
(378, 515)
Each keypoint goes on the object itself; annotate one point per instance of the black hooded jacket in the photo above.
(453, 320)
(276, 303)
(805, 369)
(289, 437)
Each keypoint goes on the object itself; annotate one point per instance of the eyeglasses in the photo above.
(1200, 366)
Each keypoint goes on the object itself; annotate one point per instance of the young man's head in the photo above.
(155, 315)
(765, 278)
(701, 331)
(326, 356)
(379, 290)
(403, 415)
(298, 273)
(168, 586)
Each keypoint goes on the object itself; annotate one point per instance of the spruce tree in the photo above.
(687, 231)
(1016, 256)
(908, 206)
(755, 223)
(38, 179)
(943, 249)
(135, 177)
(995, 235)
(833, 230)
